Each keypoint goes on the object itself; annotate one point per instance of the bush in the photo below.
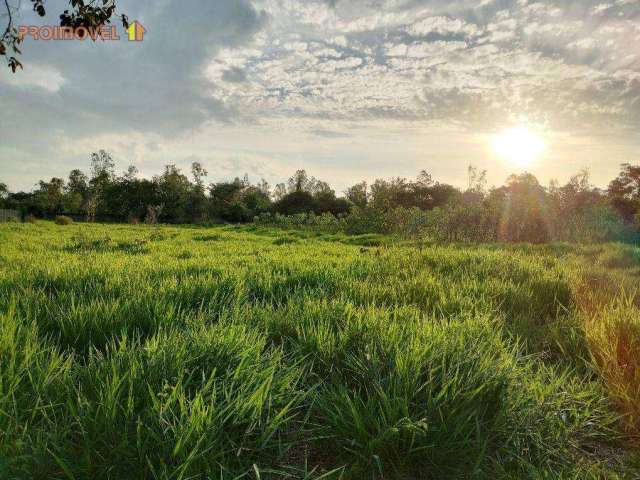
(31, 219)
(461, 223)
(365, 220)
(324, 223)
(590, 224)
(465, 222)
(63, 220)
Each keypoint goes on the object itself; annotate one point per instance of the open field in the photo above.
(136, 352)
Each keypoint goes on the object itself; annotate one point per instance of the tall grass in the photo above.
(190, 353)
(614, 338)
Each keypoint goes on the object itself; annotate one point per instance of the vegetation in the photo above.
(63, 220)
(79, 13)
(249, 352)
(522, 210)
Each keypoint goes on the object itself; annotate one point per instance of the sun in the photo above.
(519, 146)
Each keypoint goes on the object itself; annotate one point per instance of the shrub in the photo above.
(461, 223)
(470, 221)
(63, 220)
(593, 223)
(365, 220)
(406, 222)
(326, 222)
(31, 219)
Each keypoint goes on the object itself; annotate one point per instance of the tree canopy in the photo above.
(520, 210)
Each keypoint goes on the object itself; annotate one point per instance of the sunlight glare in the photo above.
(519, 146)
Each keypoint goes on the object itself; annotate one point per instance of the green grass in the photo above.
(137, 352)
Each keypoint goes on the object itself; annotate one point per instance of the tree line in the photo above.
(520, 210)
(171, 197)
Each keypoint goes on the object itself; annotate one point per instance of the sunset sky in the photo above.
(350, 90)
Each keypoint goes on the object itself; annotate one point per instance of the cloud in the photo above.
(40, 76)
(156, 85)
(318, 132)
(442, 26)
(601, 8)
(234, 75)
(310, 65)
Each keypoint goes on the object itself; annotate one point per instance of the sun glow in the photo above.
(519, 146)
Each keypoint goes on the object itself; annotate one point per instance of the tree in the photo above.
(131, 173)
(173, 191)
(50, 196)
(299, 182)
(279, 192)
(440, 194)
(624, 192)
(77, 191)
(238, 201)
(83, 13)
(103, 167)
(387, 194)
(578, 194)
(264, 187)
(318, 187)
(521, 204)
(4, 193)
(295, 202)
(77, 183)
(423, 193)
(578, 211)
(225, 203)
(198, 173)
(103, 170)
(358, 194)
(197, 205)
(424, 179)
(326, 202)
(225, 192)
(476, 186)
(476, 180)
(255, 200)
(128, 197)
(304, 194)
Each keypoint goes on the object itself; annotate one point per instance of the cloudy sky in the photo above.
(347, 89)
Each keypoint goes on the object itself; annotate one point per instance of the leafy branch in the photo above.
(92, 13)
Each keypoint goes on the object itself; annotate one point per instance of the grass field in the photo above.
(137, 352)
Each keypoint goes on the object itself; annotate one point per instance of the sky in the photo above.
(349, 90)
